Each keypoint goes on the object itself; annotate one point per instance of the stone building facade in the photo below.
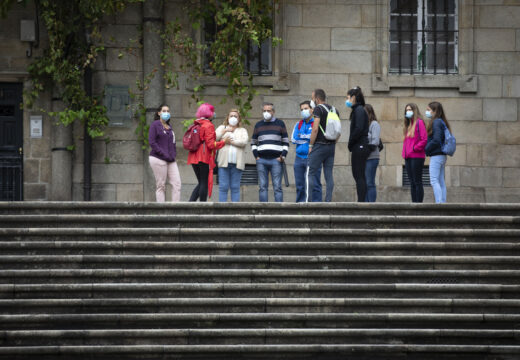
(332, 44)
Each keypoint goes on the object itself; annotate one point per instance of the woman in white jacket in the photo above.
(231, 158)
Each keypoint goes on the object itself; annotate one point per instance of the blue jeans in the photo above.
(437, 164)
(321, 154)
(370, 175)
(300, 180)
(263, 167)
(229, 178)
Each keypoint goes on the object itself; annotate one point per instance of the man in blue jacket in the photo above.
(301, 136)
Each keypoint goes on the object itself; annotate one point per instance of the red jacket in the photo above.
(413, 147)
(208, 147)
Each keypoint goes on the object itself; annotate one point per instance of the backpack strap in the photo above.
(328, 111)
(323, 106)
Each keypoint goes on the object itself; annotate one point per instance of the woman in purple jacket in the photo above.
(162, 156)
(415, 138)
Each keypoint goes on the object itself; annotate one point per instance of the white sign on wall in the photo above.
(36, 126)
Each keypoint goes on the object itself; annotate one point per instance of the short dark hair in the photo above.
(320, 94)
(306, 102)
(268, 104)
(360, 99)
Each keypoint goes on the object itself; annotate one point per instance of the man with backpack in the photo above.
(326, 131)
(270, 144)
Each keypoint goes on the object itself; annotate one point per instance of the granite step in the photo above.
(259, 336)
(258, 304)
(309, 351)
(255, 208)
(276, 320)
(281, 247)
(264, 221)
(182, 275)
(246, 290)
(256, 234)
(405, 262)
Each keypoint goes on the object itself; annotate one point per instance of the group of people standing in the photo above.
(421, 140)
(224, 148)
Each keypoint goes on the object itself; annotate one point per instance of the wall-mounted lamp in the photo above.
(28, 33)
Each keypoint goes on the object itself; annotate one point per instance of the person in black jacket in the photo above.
(435, 128)
(358, 139)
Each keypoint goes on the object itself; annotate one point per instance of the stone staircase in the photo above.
(255, 281)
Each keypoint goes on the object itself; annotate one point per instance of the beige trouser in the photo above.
(162, 170)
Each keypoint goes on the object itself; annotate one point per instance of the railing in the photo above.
(11, 179)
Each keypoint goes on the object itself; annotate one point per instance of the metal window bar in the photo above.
(410, 27)
(425, 177)
(423, 21)
(435, 37)
(446, 28)
(11, 179)
(399, 33)
(260, 59)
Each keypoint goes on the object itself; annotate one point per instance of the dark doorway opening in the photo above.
(11, 142)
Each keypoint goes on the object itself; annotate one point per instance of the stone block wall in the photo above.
(334, 45)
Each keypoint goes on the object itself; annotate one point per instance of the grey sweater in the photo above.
(373, 139)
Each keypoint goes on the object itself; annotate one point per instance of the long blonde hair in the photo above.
(409, 124)
(226, 123)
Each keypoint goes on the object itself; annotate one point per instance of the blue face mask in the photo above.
(165, 116)
(409, 114)
(428, 114)
(306, 113)
(348, 103)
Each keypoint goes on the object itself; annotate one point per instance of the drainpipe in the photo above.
(87, 142)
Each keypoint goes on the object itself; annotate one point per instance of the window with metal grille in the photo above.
(423, 37)
(425, 177)
(258, 59)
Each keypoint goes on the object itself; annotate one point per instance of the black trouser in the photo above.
(359, 162)
(201, 190)
(414, 169)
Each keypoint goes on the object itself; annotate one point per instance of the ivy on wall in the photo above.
(237, 24)
(75, 40)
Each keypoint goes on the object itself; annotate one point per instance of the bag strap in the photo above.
(324, 107)
(445, 126)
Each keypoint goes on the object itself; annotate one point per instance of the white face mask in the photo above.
(233, 121)
(409, 114)
(267, 115)
(313, 104)
(306, 113)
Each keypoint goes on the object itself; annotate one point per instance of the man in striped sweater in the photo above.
(270, 144)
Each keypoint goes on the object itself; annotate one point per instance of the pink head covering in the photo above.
(205, 111)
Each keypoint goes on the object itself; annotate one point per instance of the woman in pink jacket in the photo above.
(415, 138)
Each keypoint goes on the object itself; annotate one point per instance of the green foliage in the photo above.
(236, 23)
(73, 29)
(75, 41)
